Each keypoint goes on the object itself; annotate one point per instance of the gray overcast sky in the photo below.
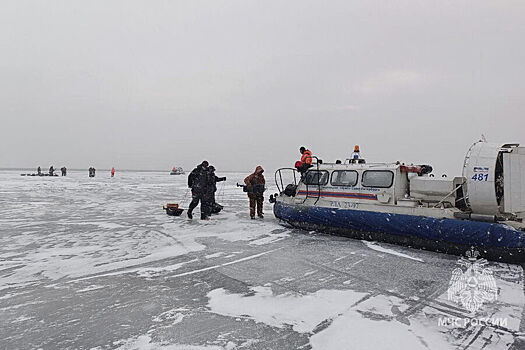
(153, 84)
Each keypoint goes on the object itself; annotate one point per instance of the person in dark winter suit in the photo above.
(199, 180)
(215, 207)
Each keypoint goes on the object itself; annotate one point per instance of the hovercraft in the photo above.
(405, 204)
(177, 171)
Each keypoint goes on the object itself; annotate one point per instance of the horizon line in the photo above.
(109, 169)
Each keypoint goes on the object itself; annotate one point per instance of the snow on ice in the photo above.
(94, 263)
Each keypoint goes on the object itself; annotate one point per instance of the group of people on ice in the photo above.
(203, 183)
(63, 171)
(51, 171)
(93, 171)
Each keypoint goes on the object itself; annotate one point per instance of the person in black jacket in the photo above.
(210, 195)
(199, 180)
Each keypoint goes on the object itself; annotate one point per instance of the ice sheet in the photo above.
(96, 263)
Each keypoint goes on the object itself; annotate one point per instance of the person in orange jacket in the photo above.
(255, 187)
(306, 160)
(306, 155)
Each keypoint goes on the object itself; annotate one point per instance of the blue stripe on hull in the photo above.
(452, 231)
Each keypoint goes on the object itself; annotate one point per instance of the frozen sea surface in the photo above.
(96, 264)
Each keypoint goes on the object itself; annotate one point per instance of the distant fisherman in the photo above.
(199, 180)
(112, 171)
(39, 171)
(51, 171)
(64, 171)
(255, 187)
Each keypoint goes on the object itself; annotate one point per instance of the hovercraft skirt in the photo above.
(495, 241)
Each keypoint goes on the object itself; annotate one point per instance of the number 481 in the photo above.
(480, 177)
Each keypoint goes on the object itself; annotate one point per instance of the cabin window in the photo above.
(377, 178)
(314, 177)
(344, 178)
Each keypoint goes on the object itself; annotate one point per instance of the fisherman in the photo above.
(112, 171)
(39, 171)
(255, 187)
(306, 160)
(64, 171)
(199, 180)
(51, 171)
(215, 207)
